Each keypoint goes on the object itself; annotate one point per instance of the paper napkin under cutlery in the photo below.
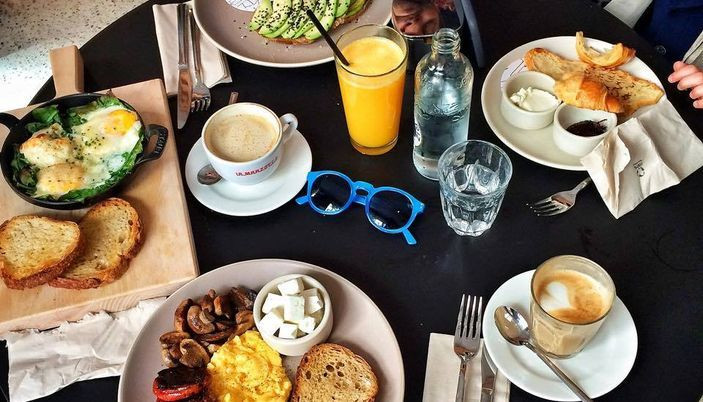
(442, 374)
(642, 156)
(43, 362)
(215, 68)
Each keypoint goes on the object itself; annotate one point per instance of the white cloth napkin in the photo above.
(43, 362)
(442, 374)
(642, 156)
(215, 68)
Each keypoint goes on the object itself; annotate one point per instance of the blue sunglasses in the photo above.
(389, 209)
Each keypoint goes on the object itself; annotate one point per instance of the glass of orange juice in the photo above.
(372, 85)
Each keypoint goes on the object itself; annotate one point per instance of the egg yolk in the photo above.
(118, 122)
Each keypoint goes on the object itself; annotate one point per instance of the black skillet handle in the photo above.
(8, 120)
(161, 134)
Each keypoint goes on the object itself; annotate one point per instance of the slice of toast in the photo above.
(331, 372)
(633, 92)
(113, 234)
(337, 22)
(34, 249)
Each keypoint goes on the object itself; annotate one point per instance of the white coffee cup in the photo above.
(256, 170)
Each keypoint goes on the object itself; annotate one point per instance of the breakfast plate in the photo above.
(374, 340)
(225, 24)
(600, 367)
(241, 200)
(538, 145)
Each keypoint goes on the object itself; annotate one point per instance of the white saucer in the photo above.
(600, 367)
(538, 145)
(238, 200)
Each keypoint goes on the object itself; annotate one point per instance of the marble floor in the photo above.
(30, 28)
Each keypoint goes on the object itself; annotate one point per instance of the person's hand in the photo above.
(690, 77)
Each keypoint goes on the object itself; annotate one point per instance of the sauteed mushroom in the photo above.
(243, 298)
(216, 337)
(245, 322)
(198, 322)
(180, 316)
(167, 360)
(173, 337)
(206, 303)
(223, 306)
(222, 325)
(194, 354)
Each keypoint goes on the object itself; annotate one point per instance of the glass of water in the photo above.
(473, 176)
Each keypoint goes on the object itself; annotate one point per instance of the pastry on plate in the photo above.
(577, 90)
(632, 92)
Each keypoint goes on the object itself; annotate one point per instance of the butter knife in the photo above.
(185, 82)
(488, 378)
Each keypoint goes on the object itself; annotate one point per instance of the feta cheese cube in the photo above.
(317, 316)
(293, 308)
(310, 293)
(288, 331)
(291, 287)
(271, 322)
(307, 324)
(272, 301)
(313, 304)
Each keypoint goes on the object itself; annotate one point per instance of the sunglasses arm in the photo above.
(409, 237)
(302, 200)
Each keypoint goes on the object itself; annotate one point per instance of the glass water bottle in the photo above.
(444, 79)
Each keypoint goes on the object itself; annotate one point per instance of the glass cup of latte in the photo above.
(571, 297)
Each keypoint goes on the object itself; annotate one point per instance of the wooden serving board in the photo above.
(167, 258)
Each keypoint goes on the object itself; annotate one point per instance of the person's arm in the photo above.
(690, 77)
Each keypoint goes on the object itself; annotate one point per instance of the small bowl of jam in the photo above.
(577, 131)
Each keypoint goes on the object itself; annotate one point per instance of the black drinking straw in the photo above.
(327, 37)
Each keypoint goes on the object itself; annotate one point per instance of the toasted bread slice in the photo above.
(632, 92)
(113, 234)
(331, 372)
(338, 22)
(36, 249)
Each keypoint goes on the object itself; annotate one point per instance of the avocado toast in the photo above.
(285, 20)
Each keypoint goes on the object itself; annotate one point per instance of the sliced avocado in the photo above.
(283, 28)
(279, 15)
(296, 19)
(326, 21)
(342, 7)
(260, 15)
(319, 10)
(354, 8)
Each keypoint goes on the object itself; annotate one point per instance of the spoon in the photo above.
(207, 174)
(514, 328)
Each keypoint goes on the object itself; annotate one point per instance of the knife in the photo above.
(488, 378)
(185, 82)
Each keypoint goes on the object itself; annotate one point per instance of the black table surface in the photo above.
(654, 254)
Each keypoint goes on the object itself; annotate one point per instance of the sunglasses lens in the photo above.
(390, 210)
(330, 192)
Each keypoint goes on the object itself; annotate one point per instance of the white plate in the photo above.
(600, 367)
(225, 24)
(358, 324)
(238, 200)
(538, 145)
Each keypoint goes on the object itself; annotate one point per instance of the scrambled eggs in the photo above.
(246, 369)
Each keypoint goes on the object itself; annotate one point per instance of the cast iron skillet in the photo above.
(18, 134)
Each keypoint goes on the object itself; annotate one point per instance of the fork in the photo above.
(467, 337)
(201, 93)
(558, 203)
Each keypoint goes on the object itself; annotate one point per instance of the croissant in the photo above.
(577, 90)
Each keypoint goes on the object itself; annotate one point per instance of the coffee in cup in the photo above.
(571, 296)
(244, 141)
(241, 137)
